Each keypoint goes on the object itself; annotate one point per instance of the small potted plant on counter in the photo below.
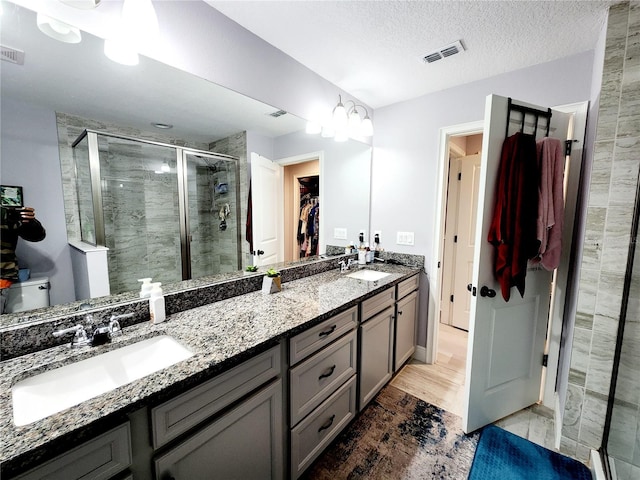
(271, 282)
(251, 269)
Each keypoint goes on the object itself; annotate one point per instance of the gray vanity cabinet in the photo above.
(245, 443)
(100, 458)
(323, 384)
(376, 344)
(406, 318)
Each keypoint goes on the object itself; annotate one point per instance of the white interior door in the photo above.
(469, 183)
(506, 339)
(267, 209)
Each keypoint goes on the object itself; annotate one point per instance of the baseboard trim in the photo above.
(597, 470)
(420, 354)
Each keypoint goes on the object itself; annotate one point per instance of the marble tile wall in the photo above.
(612, 190)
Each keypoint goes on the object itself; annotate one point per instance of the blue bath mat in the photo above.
(503, 455)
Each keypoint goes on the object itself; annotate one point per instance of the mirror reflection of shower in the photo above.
(163, 211)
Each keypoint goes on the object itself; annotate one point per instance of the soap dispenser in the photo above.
(145, 288)
(156, 304)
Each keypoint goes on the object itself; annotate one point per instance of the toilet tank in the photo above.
(33, 293)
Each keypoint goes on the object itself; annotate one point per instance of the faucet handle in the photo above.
(114, 326)
(79, 338)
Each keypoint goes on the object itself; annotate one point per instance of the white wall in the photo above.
(405, 155)
(29, 157)
(345, 201)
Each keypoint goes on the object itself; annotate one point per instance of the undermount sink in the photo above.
(51, 392)
(369, 275)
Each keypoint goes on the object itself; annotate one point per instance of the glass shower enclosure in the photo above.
(621, 441)
(163, 211)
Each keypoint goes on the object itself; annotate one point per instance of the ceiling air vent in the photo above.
(277, 114)
(444, 52)
(12, 55)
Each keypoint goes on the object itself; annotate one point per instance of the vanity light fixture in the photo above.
(58, 30)
(82, 4)
(343, 122)
(138, 27)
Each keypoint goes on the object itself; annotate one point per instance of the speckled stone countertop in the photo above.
(221, 335)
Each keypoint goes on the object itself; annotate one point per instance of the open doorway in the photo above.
(301, 209)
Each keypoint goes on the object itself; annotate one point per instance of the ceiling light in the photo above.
(163, 126)
(82, 4)
(58, 30)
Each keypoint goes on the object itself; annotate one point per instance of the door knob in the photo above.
(487, 292)
(469, 286)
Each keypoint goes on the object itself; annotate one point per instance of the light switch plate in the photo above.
(340, 233)
(405, 238)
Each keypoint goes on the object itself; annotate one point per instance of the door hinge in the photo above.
(459, 175)
(567, 146)
(455, 239)
(545, 360)
(438, 264)
(451, 298)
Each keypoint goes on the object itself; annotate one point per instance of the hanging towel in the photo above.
(513, 225)
(550, 154)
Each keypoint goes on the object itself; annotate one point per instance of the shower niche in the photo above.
(163, 211)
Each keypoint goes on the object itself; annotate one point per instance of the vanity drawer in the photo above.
(315, 432)
(313, 339)
(99, 458)
(407, 286)
(378, 303)
(187, 410)
(317, 377)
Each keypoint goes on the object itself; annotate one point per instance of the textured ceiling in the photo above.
(374, 49)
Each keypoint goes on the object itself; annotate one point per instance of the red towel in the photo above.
(513, 226)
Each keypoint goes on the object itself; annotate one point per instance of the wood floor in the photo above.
(442, 385)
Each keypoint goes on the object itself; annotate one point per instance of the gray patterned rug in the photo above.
(398, 436)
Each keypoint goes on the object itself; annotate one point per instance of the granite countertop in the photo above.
(221, 335)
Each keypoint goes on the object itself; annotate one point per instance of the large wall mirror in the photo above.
(56, 90)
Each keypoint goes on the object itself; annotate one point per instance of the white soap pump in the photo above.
(145, 288)
(156, 304)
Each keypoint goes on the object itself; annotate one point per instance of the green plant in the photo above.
(252, 268)
(273, 273)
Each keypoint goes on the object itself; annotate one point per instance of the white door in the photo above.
(267, 207)
(469, 183)
(506, 339)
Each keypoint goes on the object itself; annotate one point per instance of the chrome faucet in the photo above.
(346, 266)
(101, 335)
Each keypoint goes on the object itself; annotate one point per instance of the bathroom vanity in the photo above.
(273, 379)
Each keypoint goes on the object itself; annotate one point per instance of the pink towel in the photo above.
(551, 160)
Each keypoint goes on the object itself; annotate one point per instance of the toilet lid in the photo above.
(32, 281)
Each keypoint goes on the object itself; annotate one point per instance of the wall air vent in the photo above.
(12, 55)
(277, 114)
(444, 52)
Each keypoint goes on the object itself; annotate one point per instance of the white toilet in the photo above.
(33, 293)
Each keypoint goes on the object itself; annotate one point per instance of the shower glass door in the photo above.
(139, 187)
(212, 207)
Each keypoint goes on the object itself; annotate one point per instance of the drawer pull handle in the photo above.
(328, 423)
(327, 332)
(328, 373)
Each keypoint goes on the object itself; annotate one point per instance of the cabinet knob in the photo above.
(399, 312)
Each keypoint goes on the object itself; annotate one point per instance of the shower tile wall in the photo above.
(236, 145)
(608, 226)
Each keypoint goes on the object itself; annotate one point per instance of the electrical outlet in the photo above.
(405, 238)
(340, 233)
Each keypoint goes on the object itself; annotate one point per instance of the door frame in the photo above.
(554, 331)
(306, 157)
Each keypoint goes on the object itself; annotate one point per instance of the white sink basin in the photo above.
(51, 392)
(369, 275)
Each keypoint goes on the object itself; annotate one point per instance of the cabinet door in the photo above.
(376, 358)
(246, 443)
(405, 329)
